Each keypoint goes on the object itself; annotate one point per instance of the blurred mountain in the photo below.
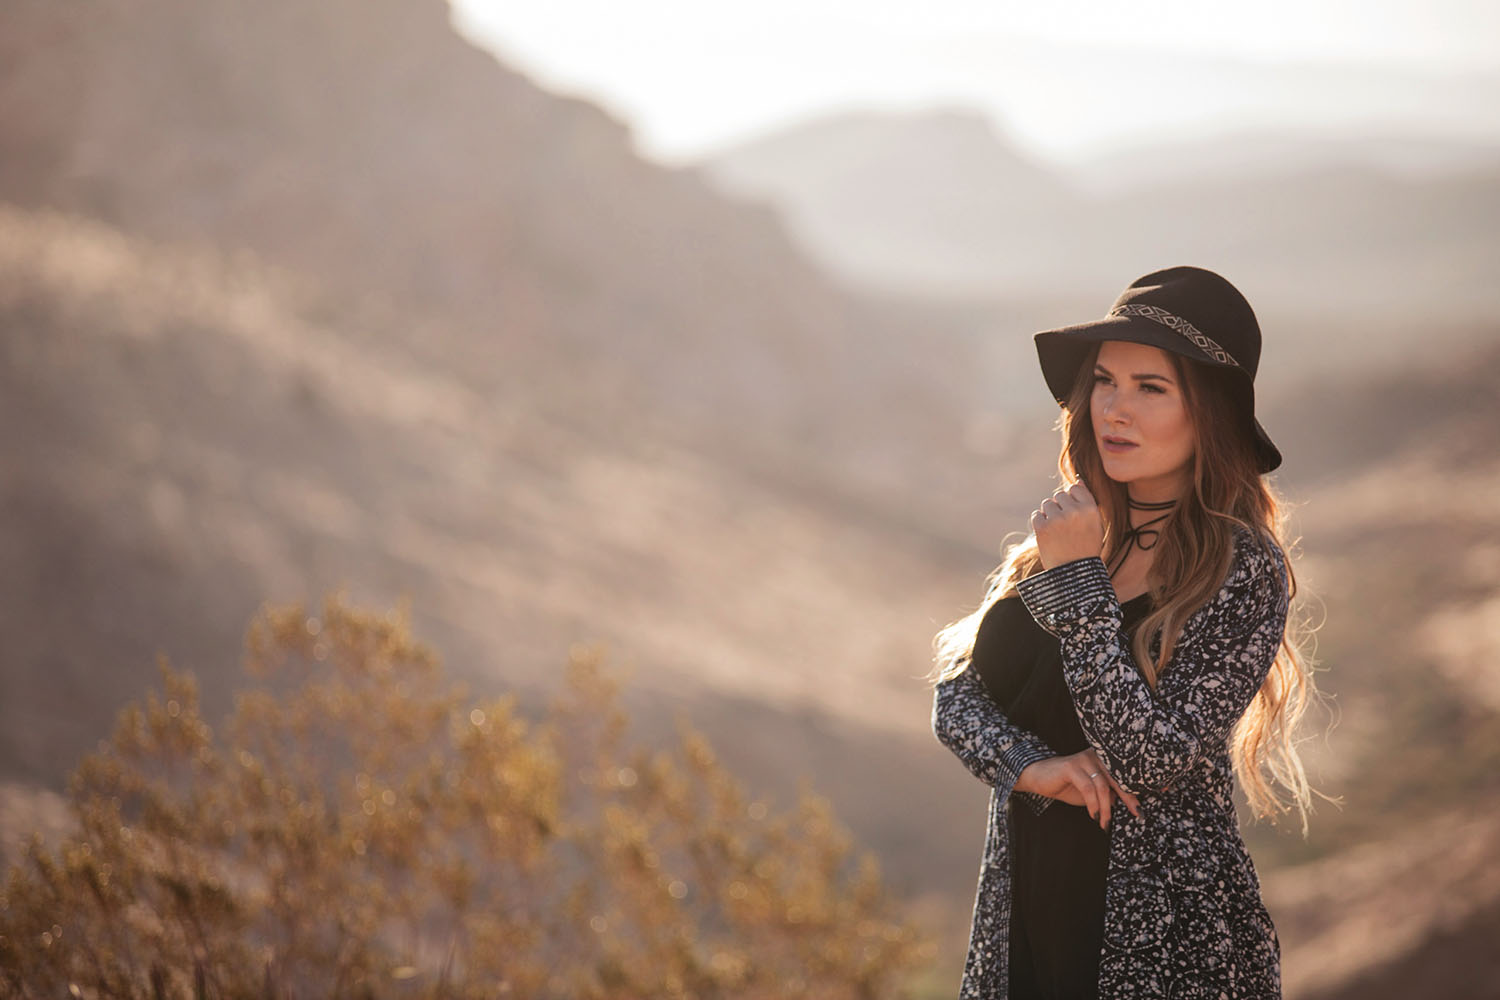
(365, 146)
(918, 198)
(1243, 154)
(1313, 231)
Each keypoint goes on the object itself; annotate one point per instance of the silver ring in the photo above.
(1094, 775)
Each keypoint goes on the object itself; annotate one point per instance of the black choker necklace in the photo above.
(1138, 535)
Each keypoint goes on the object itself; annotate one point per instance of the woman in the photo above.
(1130, 659)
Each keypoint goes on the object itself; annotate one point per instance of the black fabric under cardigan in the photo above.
(1059, 855)
(1183, 913)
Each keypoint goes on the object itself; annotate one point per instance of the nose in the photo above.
(1113, 408)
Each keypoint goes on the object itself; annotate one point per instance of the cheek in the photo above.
(1181, 433)
(1172, 430)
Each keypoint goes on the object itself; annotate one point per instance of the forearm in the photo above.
(1147, 738)
(969, 723)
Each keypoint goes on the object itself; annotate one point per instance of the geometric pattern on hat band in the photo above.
(1180, 325)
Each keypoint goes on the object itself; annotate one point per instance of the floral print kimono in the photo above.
(1183, 915)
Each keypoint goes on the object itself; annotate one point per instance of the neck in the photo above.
(1156, 491)
(1145, 518)
(1143, 511)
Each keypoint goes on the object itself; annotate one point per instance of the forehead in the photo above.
(1133, 357)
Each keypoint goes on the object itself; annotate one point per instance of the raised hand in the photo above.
(1068, 526)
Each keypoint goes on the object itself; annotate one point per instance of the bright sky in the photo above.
(1063, 78)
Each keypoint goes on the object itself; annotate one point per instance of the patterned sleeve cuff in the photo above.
(1022, 754)
(1018, 758)
(1056, 595)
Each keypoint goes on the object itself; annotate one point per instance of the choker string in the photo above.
(1138, 534)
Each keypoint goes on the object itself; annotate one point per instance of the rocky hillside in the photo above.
(185, 439)
(365, 146)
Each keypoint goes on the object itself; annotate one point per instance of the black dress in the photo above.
(1059, 856)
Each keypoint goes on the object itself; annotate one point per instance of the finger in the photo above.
(1131, 802)
(1076, 506)
(1106, 800)
(1078, 491)
(1085, 786)
(1097, 772)
(1053, 514)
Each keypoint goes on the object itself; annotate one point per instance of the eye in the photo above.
(1100, 379)
(1152, 387)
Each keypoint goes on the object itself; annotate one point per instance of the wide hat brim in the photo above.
(1063, 350)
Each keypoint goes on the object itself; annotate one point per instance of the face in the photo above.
(1141, 422)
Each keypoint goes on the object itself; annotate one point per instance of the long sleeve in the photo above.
(1147, 739)
(995, 750)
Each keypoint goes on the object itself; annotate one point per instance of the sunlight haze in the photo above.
(1065, 80)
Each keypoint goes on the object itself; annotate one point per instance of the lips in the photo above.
(1117, 444)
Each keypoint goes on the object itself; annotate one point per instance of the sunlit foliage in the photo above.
(359, 828)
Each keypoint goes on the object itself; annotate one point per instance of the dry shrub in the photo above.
(357, 828)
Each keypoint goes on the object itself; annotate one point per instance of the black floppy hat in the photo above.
(1186, 310)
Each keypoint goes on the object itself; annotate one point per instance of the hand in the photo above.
(1079, 780)
(1068, 526)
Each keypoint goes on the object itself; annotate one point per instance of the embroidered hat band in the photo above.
(1205, 343)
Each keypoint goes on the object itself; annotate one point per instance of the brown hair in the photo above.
(1192, 558)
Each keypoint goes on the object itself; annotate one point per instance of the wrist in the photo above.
(1022, 755)
(1056, 559)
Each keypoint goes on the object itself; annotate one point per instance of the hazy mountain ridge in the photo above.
(1241, 154)
(847, 185)
(1320, 236)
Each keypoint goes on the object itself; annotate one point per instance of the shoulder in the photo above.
(1256, 588)
(1259, 561)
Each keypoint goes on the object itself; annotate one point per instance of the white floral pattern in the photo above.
(1183, 913)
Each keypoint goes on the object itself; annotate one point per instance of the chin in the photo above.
(1117, 474)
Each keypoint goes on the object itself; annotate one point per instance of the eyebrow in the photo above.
(1138, 376)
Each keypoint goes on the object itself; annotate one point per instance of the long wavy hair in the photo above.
(1193, 556)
